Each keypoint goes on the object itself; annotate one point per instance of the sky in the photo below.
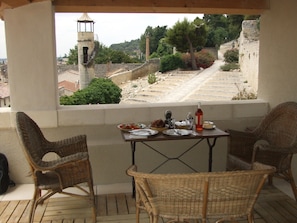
(109, 28)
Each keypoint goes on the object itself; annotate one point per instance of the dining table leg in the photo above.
(133, 148)
(210, 146)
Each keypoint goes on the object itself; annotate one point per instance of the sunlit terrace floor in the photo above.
(116, 205)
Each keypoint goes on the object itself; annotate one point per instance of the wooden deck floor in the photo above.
(272, 206)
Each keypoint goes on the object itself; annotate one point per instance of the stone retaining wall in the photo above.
(249, 52)
(148, 67)
(101, 70)
(120, 73)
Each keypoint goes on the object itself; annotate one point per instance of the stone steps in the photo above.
(222, 86)
(154, 92)
(182, 86)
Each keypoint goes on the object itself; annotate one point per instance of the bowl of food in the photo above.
(209, 125)
(158, 125)
(126, 127)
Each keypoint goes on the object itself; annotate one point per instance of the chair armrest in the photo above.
(276, 149)
(280, 157)
(62, 162)
(239, 135)
(261, 166)
(67, 147)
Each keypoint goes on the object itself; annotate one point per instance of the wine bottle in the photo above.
(199, 118)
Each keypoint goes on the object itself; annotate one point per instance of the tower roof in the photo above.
(85, 18)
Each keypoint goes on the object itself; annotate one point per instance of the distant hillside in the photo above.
(131, 48)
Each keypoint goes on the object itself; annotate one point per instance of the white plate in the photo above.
(177, 132)
(144, 132)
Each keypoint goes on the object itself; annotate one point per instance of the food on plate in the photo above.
(130, 126)
(208, 125)
(158, 123)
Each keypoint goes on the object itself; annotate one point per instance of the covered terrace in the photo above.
(31, 52)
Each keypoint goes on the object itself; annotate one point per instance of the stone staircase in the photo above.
(221, 86)
(210, 84)
(166, 84)
(186, 86)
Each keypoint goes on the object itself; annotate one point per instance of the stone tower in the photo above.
(86, 50)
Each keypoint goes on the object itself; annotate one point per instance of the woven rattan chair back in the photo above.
(70, 169)
(279, 127)
(32, 138)
(272, 142)
(181, 197)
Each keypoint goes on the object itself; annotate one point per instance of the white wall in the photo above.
(278, 53)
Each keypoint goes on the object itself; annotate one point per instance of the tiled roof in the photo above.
(69, 86)
(69, 80)
(69, 75)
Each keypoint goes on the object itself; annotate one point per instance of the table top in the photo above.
(214, 133)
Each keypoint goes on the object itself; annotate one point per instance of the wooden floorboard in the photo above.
(273, 206)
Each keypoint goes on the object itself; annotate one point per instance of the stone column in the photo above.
(147, 47)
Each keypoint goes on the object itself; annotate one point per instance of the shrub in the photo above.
(186, 58)
(99, 91)
(152, 78)
(231, 56)
(171, 62)
(244, 95)
(203, 59)
(229, 66)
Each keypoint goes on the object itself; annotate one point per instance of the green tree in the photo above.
(171, 62)
(99, 91)
(215, 20)
(222, 28)
(155, 35)
(252, 17)
(103, 55)
(129, 48)
(187, 36)
(234, 26)
(163, 49)
(217, 29)
(216, 37)
(73, 56)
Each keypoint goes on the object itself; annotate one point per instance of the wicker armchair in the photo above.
(181, 197)
(69, 170)
(272, 142)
